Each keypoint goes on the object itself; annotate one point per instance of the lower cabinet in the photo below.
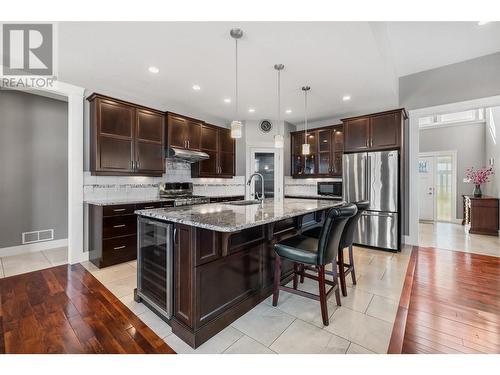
(113, 232)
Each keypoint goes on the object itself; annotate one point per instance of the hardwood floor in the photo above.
(65, 309)
(454, 304)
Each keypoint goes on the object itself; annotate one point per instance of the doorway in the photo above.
(264, 161)
(437, 186)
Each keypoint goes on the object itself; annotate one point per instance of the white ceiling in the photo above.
(362, 59)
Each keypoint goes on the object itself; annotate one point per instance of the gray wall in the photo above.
(471, 79)
(33, 166)
(468, 141)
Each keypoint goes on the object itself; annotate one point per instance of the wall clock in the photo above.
(266, 126)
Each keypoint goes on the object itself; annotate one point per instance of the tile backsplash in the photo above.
(140, 187)
(304, 186)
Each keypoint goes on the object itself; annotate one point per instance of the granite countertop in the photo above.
(116, 201)
(312, 196)
(223, 217)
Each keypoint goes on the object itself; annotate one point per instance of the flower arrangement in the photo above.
(478, 177)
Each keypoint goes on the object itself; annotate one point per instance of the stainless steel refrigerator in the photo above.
(374, 176)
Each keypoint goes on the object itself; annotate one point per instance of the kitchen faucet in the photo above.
(262, 197)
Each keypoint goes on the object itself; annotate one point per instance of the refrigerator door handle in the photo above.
(368, 177)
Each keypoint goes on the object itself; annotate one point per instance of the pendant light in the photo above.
(278, 138)
(306, 149)
(236, 125)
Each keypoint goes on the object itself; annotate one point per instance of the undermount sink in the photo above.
(244, 203)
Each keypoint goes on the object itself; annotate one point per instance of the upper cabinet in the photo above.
(184, 132)
(218, 144)
(378, 131)
(325, 156)
(126, 139)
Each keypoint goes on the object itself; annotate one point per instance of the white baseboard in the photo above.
(32, 247)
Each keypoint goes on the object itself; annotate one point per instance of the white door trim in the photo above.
(414, 138)
(278, 174)
(434, 155)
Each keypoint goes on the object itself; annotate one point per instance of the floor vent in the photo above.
(38, 236)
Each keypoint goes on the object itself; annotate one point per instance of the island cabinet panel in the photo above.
(226, 282)
(183, 274)
(126, 139)
(207, 246)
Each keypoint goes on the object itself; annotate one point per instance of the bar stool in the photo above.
(345, 241)
(315, 253)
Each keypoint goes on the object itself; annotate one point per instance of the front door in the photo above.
(426, 186)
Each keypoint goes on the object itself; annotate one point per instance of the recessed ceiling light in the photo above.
(288, 111)
(227, 100)
(153, 69)
(346, 98)
(481, 23)
(196, 87)
(251, 110)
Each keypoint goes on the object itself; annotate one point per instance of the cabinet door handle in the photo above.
(149, 207)
(119, 226)
(136, 165)
(119, 247)
(188, 145)
(118, 209)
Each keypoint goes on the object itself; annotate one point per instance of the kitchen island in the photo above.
(220, 257)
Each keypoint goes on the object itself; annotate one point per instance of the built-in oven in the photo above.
(154, 265)
(330, 188)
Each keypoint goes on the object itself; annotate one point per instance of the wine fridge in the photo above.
(154, 265)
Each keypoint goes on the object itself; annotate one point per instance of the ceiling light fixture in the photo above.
(288, 111)
(227, 100)
(345, 98)
(153, 69)
(305, 146)
(251, 110)
(236, 125)
(278, 138)
(196, 87)
(481, 23)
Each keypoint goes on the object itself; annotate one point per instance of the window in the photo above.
(452, 118)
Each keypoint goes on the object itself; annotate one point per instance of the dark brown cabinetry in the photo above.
(378, 131)
(481, 214)
(325, 157)
(184, 132)
(126, 139)
(219, 145)
(113, 232)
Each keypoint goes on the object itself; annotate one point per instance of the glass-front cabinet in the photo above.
(154, 264)
(325, 156)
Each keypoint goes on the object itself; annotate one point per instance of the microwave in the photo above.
(330, 188)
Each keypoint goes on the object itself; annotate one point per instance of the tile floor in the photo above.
(362, 325)
(17, 264)
(455, 237)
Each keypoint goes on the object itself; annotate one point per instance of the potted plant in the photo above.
(478, 177)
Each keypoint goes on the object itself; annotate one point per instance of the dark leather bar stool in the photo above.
(346, 241)
(314, 252)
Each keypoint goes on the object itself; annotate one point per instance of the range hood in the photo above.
(189, 156)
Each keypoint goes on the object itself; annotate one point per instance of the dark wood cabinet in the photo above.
(184, 132)
(325, 157)
(377, 131)
(126, 139)
(481, 214)
(113, 232)
(218, 144)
